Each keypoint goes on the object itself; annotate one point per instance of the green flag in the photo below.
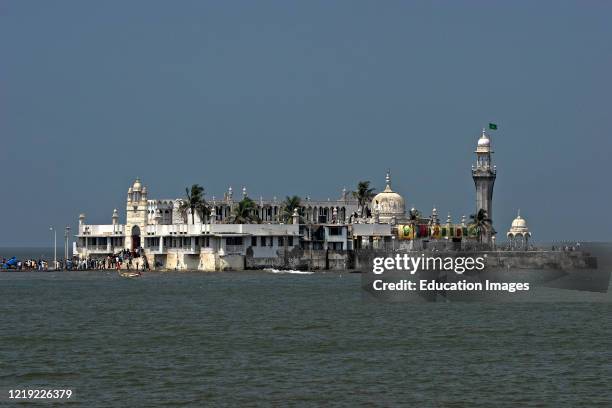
(492, 126)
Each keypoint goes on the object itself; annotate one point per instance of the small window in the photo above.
(263, 241)
(233, 241)
(281, 241)
(254, 241)
(290, 241)
(335, 231)
(337, 246)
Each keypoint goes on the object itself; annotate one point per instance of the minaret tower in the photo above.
(136, 214)
(484, 173)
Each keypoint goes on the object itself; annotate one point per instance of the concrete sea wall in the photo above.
(362, 259)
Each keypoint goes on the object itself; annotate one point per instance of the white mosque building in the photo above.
(159, 231)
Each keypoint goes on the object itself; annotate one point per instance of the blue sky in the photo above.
(305, 98)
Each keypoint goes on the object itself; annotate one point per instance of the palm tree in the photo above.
(364, 194)
(289, 206)
(245, 212)
(481, 221)
(194, 202)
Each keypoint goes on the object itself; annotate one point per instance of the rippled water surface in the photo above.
(257, 338)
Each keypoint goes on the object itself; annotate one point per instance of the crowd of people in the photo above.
(27, 265)
(125, 259)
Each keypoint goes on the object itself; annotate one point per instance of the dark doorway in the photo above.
(135, 237)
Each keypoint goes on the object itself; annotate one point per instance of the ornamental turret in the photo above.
(434, 220)
(115, 221)
(295, 216)
(518, 235)
(484, 174)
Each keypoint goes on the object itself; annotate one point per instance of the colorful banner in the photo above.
(473, 231)
(405, 232)
(458, 231)
(436, 232)
(422, 231)
(410, 231)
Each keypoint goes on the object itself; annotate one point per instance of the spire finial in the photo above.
(388, 178)
(518, 214)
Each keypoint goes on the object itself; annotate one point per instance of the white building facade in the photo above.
(169, 238)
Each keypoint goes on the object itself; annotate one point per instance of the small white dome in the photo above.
(484, 141)
(137, 186)
(519, 227)
(519, 222)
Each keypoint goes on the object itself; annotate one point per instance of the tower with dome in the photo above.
(136, 214)
(484, 174)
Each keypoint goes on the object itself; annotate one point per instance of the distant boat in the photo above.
(130, 274)
(288, 271)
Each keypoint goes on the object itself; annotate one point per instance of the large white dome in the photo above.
(388, 204)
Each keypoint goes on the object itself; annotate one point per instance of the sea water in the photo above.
(264, 338)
